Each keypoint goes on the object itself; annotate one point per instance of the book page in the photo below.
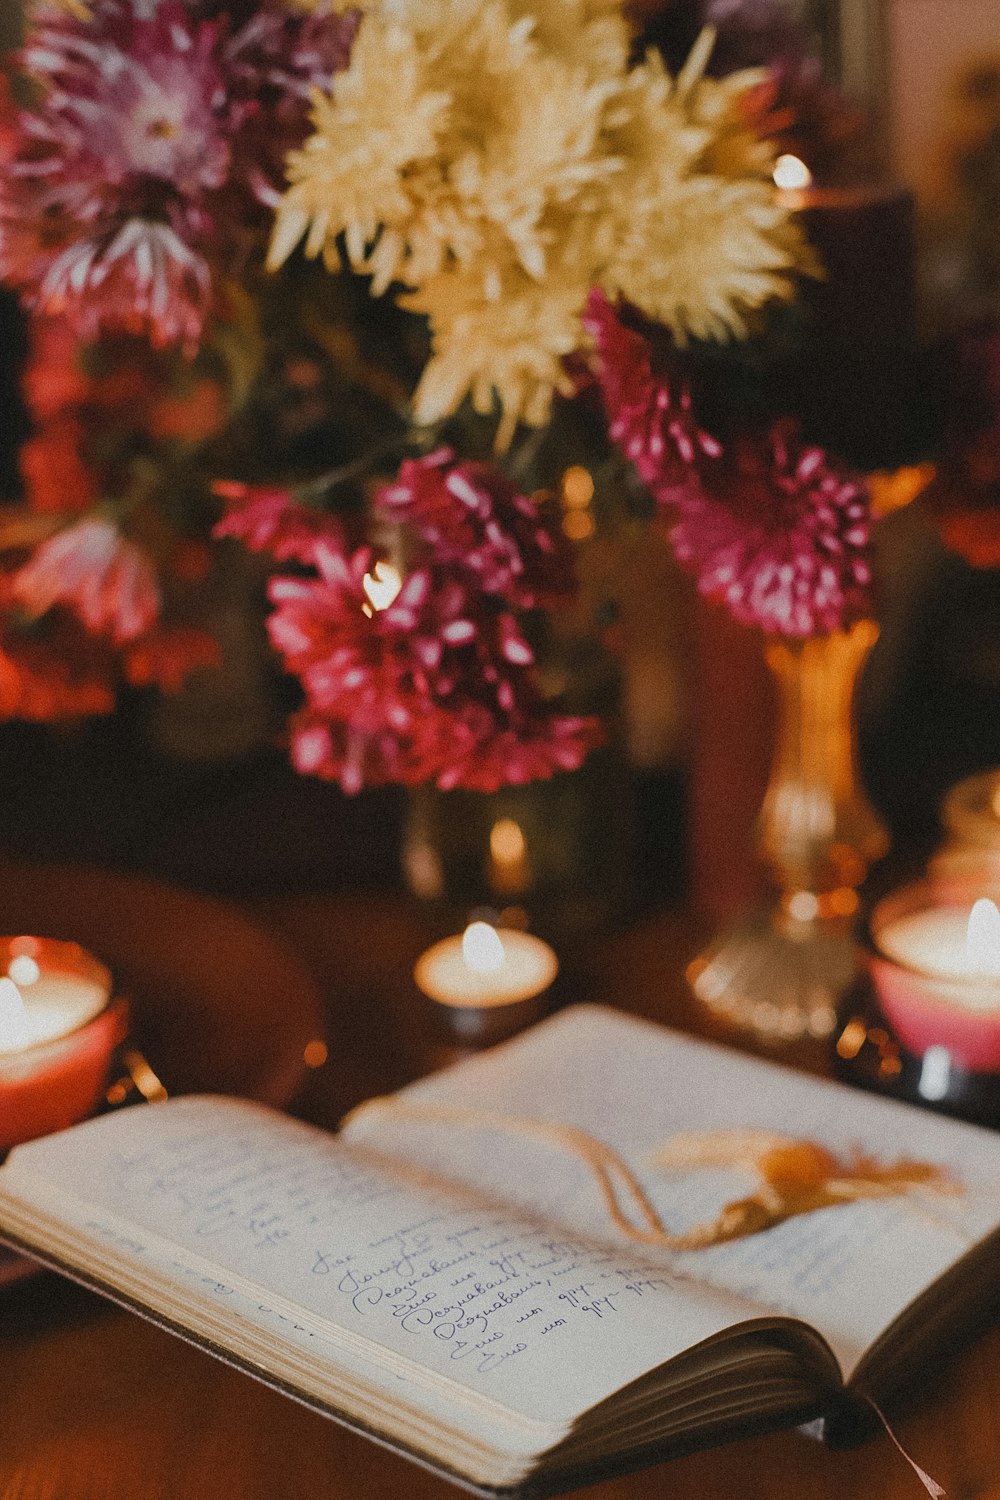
(847, 1270)
(329, 1247)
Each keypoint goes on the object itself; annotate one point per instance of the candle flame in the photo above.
(24, 970)
(482, 948)
(14, 1033)
(791, 173)
(382, 585)
(507, 844)
(983, 938)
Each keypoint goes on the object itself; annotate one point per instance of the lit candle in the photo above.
(489, 978)
(937, 972)
(509, 870)
(57, 1033)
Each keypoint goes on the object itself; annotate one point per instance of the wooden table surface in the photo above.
(95, 1404)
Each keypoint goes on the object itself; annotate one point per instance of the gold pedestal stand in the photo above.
(782, 974)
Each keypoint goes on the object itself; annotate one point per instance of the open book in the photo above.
(459, 1290)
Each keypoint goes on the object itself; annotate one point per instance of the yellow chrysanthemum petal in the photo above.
(497, 158)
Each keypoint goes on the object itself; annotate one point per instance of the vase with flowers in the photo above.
(415, 231)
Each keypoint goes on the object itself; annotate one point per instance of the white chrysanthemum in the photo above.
(350, 175)
(497, 158)
(703, 258)
(507, 343)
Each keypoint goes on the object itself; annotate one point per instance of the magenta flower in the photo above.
(140, 173)
(473, 517)
(438, 684)
(271, 64)
(773, 528)
(91, 569)
(144, 279)
(650, 417)
(103, 215)
(781, 537)
(268, 518)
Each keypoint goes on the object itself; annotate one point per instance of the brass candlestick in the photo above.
(782, 973)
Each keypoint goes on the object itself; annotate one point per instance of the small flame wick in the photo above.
(381, 585)
(482, 948)
(791, 173)
(983, 938)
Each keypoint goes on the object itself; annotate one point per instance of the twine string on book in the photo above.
(796, 1177)
(604, 1163)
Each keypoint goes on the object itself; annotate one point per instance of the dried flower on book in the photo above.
(793, 1177)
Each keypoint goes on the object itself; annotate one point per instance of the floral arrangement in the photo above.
(508, 179)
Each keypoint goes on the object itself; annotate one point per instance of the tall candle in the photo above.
(58, 1030)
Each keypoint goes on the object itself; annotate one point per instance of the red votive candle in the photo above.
(936, 969)
(58, 1030)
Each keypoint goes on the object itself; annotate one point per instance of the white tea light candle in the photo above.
(486, 968)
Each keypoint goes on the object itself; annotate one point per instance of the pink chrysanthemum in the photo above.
(90, 568)
(141, 279)
(473, 516)
(437, 685)
(773, 528)
(650, 417)
(271, 64)
(104, 213)
(267, 518)
(157, 136)
(781, 537)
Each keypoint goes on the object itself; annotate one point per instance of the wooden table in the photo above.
(95, 1404)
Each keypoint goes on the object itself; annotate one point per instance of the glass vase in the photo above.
(782, 973)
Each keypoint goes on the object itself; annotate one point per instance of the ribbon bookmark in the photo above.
(930, 1485)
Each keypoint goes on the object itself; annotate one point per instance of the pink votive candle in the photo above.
(58, 1030)
(936, 969)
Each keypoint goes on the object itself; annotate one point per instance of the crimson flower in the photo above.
(781, 537)
(473, 516)
(772, 527)
(437, 684)
(268, 518)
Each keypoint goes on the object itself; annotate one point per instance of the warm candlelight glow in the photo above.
(14, 1029)
(983, 939)
(382, 585)
(486, 969)
(482, 949)
(577, 488)
(936, 970)
(58, 1030)
(790, 173)
(507, 844)
(509, 871)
